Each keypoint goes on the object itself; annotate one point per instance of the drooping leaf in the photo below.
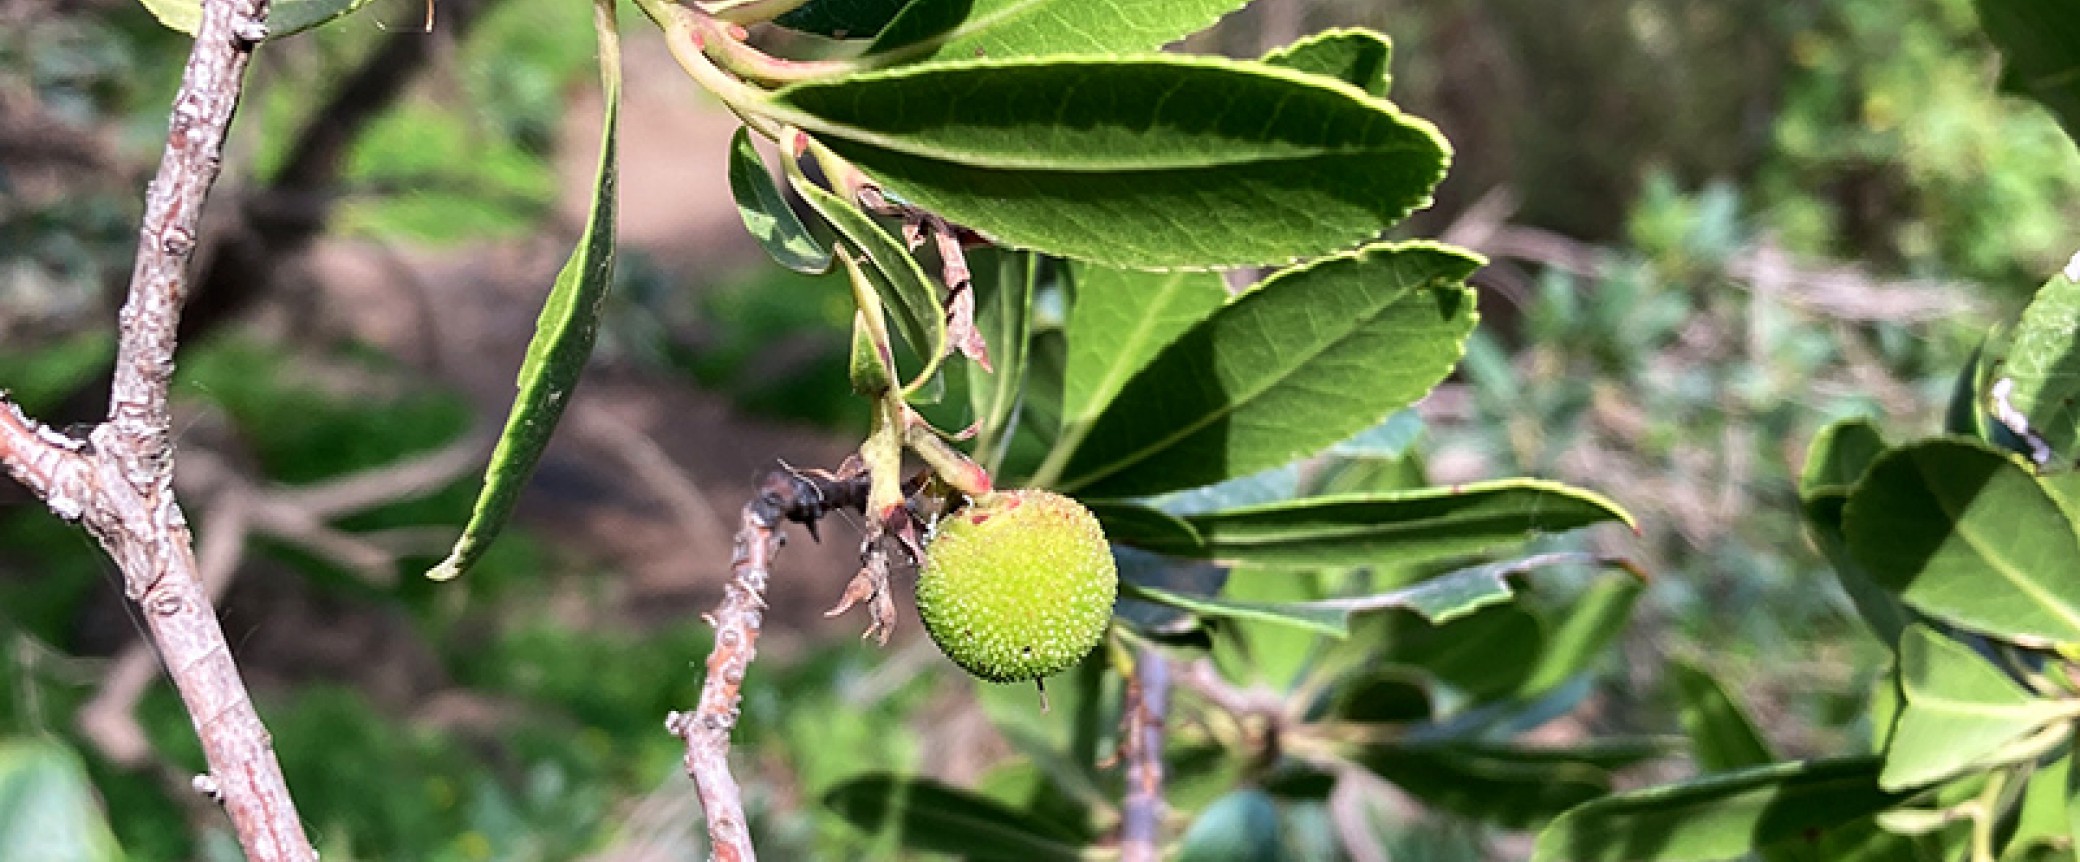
(2043, 359)
(1487, 783)
(1311, 356)
(1958, 710)
(47, 807)
(959, 29)
(907, 292)
(563, 335)
(1357, 57)
(1590, 626)
(931, 816)
(842, 19)
(284, 17)
(1840, 454)
(1966, 534)
(1411, 526)
(766, 213)
(1239, 827)
(1720, 732)
(1722, 816)
(1121, 320)
(2040, 53)
(1148, 162)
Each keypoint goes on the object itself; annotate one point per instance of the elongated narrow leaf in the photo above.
(1121, 320)
(2043, 360)
(1148, 162)
(766, 213)
(928, 815)
(1004, 284)
(1408, 526)
(1487, 784)
(563, 336)
(1242, 826)
(907, 292)
(1840, 454)
(1720, 733)
(1958, 709)
(1720, 817)
(1357, 57)
(959, 29)
(47, 807)
(1310, 357)
(1139, 525)
(1312, 617)
(1590, 626)
(842, 19)
(2040, 53)
(284, 17)
(1966, 534)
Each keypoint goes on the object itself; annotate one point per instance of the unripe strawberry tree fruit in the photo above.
(1017, 585)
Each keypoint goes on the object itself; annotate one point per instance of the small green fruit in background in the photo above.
(1018, 585)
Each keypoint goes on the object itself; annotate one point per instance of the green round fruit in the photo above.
(1018, 585)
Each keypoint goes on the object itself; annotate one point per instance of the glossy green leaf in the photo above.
(1484, 655)
(927, 815)
(563, 335)
(1309, 357)
(284, 17)
(1149, 162)
(1721, 735)
(907, 292)
(766, 213)
(1004, 284)
(871, 363)
(2043, 360)
(2040, 52)
(1590, 626)
(1966, 534)
(1242, 826)
(1357, 57)
(960, 29)
(1121, 320)
(1840, 454)
(48, 811)
(1958, 710)
(1718, 817)
(842, 19)
(1134, 524)
(1408, 526)
(1488, 783)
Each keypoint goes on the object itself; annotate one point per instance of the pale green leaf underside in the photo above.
(1146, 162)
(284, 17)
(1311, 356)
(957, 29)
(1966, 534)
(766, 213)
(1360, 58)
(2044, 362)
(1958, 709)
(563, 335)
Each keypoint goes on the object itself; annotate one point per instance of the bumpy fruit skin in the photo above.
(1018, 585)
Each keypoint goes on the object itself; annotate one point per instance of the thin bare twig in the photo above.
(1147, 710)
(119, 483)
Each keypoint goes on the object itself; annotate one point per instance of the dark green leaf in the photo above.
(1966, 534)
(1381, 695)
(842, 19)
(1141, 526)
(1483, 655)
(1360, 58)
(1720, 733)
(1840, 454)
(1487, 783)
(1039, 409)
(1239, 827)
(1004, 284)
(766, 213)
(1148, 162)
(1311, 356)
(1719, 817)
(960, 29)
(1410, 526)
(563, 335)
(284, 17)
(1879, 608)
(931, 816)
(2040, 52)
(906, 290)
(1959, 709)
(1313, 617)
(47, 807)
(1593, 622)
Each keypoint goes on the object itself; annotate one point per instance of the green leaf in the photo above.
(1840, 454)
(47, 807)
(1406, 526)
(1483, 655)
(907, 291)
(1150, 162)
(1134, 524)
(2043, 359)
(1381, 695)
(959, 29)
(931, 816)
(1275, 656)
(1838, 458)
(284, 17)
(2040, 52)
(1488, 783)
(766, 213)
(842, 19)
(1719, 817)
(1004, 284)
(1314, 617)
(1595, 620)
(1309, 357)
(1357, 57)
(1121, 320)
(1720, 733)
(563, 335)
(2042, 820)
(1959, 709)
(1966, 534)
(1239, 827)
